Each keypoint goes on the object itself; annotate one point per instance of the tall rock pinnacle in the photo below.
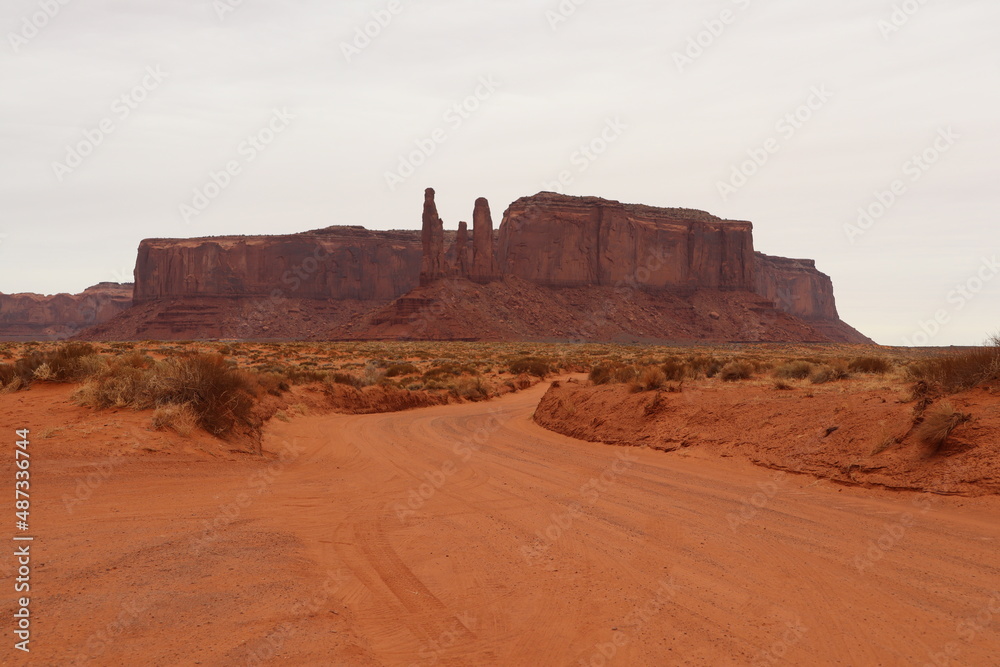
(463, 252)
(432, 236)
(484, 264)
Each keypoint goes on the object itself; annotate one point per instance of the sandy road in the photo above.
(467, 535)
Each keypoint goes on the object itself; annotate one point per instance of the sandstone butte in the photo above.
(676, 275)
(60, 316)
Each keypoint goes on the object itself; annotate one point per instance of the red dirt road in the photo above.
(401, 539)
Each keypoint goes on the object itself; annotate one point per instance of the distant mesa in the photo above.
(37, 317)
(560, 268)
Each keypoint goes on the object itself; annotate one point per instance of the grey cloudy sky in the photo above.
(117, 113)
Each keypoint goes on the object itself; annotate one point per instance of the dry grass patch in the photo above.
(939, 422)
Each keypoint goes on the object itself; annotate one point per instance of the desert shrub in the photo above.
(530, 366)
(650, 378)
(522, 381)
(600, 375)
(873, 365)
(180, 418)
(961, 370)
(396, 370)
(937, 425)
(736, 370)
(340, 377)
(702, 364)
(794, 370)
(61, 364)
(829, 373)
(442, 369)
(299, 375)
(7, 374)
(781, 385)
(625, 374)
(471, 388)
(273, 383)
(220, 396)
(372, 374)
(674, 370)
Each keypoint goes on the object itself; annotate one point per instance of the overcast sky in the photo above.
(116, 113)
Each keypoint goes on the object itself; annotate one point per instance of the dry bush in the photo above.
(180, 418)
(340, 377)
(600, 375)
(625, 374)
(11, 386)
(298, 375)
(886, 439)
(531, 366)
(937, 425)
(372, 375)
(7, 375)
(61, 364)
(674, 370)
(446, 369)
(961, 370)
(794, 370)
(522, 382)
(650, 379)
(701, 364)
(220, 396)
(273, 383)
(471, 389)
(781, 385)
(396, 370)
(829, 373)
(872, 365)
(736, 370)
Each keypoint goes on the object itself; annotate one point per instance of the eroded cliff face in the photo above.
(191, 288)
(26, 317)
(334, 263)
(796, 286)
(557, 240)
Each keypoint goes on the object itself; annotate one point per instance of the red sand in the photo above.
(398, 539)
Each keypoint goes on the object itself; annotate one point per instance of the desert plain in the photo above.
(507, 504)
